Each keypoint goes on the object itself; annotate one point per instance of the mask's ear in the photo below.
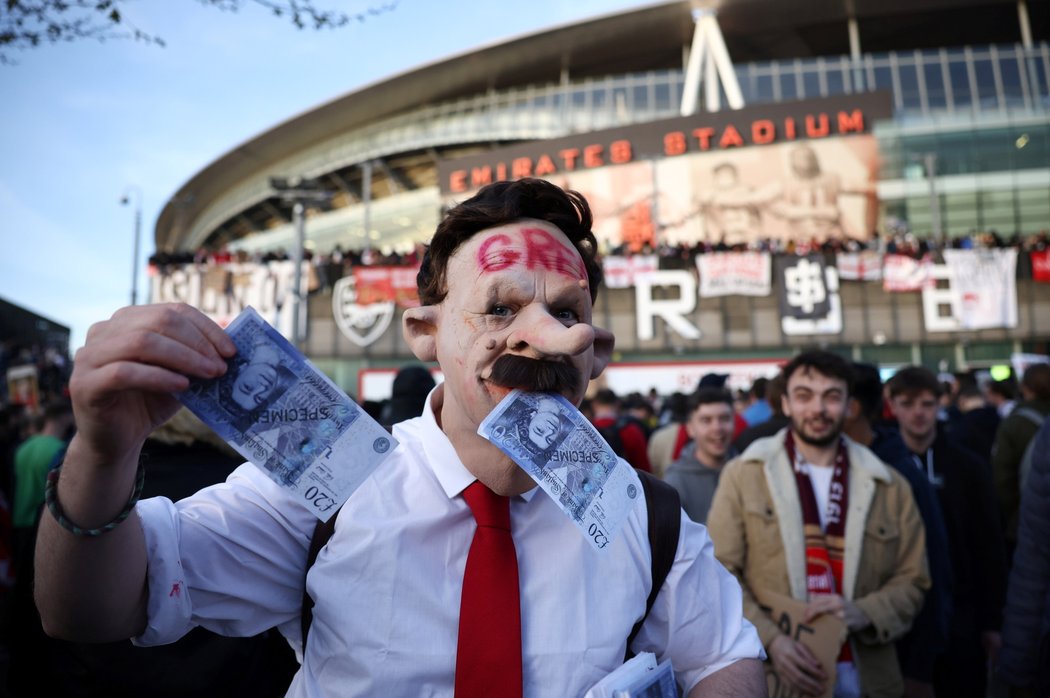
(419, 327)
(603, 349)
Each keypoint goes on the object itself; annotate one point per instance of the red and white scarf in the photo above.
(825, 546)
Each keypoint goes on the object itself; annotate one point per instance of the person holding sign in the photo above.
(812, 515)
(448, 571)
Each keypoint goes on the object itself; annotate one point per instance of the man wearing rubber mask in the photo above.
(507, 288)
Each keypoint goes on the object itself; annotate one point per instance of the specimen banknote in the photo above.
(554, 443)
(285, 416)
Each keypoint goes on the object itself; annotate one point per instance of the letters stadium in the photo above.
(872, 177)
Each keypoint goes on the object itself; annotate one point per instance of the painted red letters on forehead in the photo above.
(541, 250)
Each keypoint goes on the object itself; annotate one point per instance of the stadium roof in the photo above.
(653, 37)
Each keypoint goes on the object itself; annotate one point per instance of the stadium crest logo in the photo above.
(361, 324)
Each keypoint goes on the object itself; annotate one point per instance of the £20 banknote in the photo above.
(280, 412)
(554, 443)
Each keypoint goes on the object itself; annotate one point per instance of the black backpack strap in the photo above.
(322, 534)
(664, 509)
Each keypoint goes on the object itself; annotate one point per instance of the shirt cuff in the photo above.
(168, 608)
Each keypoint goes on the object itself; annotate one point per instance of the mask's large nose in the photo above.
(539, 334)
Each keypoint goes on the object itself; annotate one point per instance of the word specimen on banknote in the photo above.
(280, 412)
(562, 451)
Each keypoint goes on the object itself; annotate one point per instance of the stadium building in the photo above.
(757, 125)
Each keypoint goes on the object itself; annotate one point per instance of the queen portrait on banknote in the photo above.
(254, 380)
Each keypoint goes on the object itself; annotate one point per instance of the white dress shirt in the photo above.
(387, 586)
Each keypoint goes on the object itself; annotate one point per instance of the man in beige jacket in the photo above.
(810, 514)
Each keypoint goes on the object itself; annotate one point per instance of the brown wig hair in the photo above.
(501, 203)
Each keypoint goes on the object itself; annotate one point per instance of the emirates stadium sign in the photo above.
(701, 133)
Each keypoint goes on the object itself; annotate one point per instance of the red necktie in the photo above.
(488, 658)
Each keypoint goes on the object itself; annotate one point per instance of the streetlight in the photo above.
(300, 192)
(124, 201)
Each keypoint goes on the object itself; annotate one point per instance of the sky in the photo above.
(84, 124)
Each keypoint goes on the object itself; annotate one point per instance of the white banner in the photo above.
(985, 283)
(734, 273)
(865, 265)
(621, 272)
(903, 273)
(222, 292)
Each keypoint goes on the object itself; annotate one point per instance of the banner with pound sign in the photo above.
(808, 291)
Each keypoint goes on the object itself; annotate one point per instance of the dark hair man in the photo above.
(758, 408)
(776, 421)
(810, 514)
(964, 492)
(506, 288)
(607, 415)
(918, 650)
(695, 473)
(1011, 440)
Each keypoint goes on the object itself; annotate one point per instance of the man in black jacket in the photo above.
(1025, 659)
(928, 638)
(964, 489)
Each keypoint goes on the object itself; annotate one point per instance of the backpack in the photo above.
(1026, 460)
(663, 507)
(611, 434)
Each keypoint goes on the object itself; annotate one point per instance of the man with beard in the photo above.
(402, 605)
(810, 514)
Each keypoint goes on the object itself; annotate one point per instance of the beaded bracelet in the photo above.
(51, 499)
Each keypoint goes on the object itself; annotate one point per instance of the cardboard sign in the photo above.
(823, 636)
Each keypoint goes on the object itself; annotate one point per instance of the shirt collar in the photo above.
(451, 474)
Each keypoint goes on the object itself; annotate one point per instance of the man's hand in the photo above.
(94, 589)
(838, 606)
(797, 666)
(124, 375)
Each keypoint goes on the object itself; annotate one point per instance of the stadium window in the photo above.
(935, 93)
(640, 97)
(662, 94)
(909, 83)
(811, 82)
(1033, 209)
(986, 87)
(996, 209)
(960, 80)
(579, 99)
(960, 212)
(994, 150)
(598, 109)
(883, 77)
(835, 79)
(1010, 70)
(763, 87)
(1040, 81)
(788, 86)
(890, 157)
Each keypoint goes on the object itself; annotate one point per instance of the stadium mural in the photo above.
(792, 171)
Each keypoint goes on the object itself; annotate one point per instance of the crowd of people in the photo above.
(963, 449)
(903, 511)
(897, 242)
(333, 265)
